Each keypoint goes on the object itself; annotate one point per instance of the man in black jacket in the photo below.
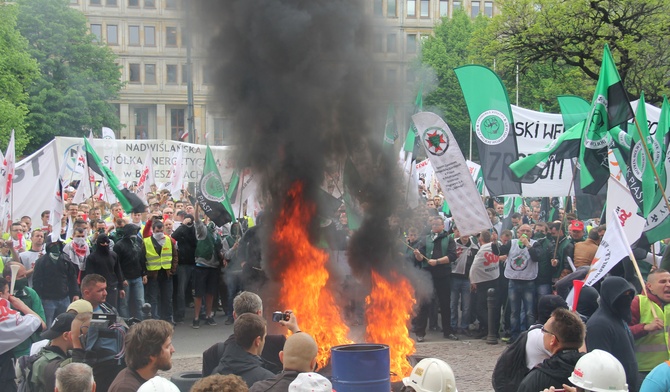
(132, 256)
(298, 356)
(55, 281)
(436, 252)
(186, 243)
(563, 336)
(242, 357)
(608, 327)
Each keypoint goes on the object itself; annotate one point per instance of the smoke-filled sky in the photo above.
(295, 78)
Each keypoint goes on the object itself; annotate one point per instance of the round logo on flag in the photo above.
(492, 127)
(436, 140)
(212, 187)
(638, 160)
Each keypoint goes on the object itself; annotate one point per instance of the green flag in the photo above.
(391, 130)
(662, 135)
(609, 107)
(491, 114)
(639, 173)
(531, 168)
(411, 132)
(573, 109)
(231, 193)
(128, 200)
(211, 193)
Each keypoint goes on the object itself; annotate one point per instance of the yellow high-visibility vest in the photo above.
(652, 349)
(155, 261)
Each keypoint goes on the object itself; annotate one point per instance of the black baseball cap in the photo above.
(62, 323)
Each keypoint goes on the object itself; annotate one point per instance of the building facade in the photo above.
(149, 38)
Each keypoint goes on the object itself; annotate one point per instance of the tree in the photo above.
(566, 34)
(17, 71)
(446, 50)
(78, 75)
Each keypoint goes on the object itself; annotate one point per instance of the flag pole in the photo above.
(651, 163)
(565, 212)
(240, 185)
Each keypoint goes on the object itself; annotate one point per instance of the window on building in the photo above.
(411, 43)
(177, 123)
(475, 8)
(141, 123)
(392, 8)
(134, 73)
(149, 3)
(96, 29)
(95, 2)
(149, 73)
(205, 76)
(456, 5)
(170, 36)
(425, 8)
(377, 43)
(411, 8)
(111, 3)
(149, 36)
(171, 73)
(184, 73)
(444, 8)
(410, 76)
(112, 34)
(133, 3)
(170, 4)
(222, 131)
(378, 78)
(377, 7)
(391, 43)
(134, 35)
(391, 77)
(488, 8)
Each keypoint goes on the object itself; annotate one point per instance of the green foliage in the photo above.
(78, 76)
(17, 70)
(446, 50)
(563, 36)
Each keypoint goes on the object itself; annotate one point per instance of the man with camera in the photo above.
(248, 302)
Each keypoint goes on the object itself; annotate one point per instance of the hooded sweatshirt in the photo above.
(238, 361)
(131, 253)
(554, 371)
(607, 329)
(105, 262)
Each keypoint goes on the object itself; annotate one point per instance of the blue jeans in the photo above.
(543, 289)
(184, 277)
(518, 291)
(460, 289)
(54, 307)
(131, 305)
(159, 295)
(233, 281)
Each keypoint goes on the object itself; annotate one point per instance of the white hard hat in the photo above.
(431, 375)
(599, 371)
(158, 384)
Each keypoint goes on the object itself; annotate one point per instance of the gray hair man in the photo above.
(75, 377)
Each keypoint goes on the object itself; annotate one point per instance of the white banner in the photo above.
(452, 172)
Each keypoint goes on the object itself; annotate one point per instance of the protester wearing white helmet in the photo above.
(597, 371)
(430, 375)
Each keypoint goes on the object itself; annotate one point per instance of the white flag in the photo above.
(147, 177)
(176, 177)
(613, 248)
(108, 133)
(452, 172)
(58, 205)
(83, 191)
(245, 190)
(620, 200)
(8, 164)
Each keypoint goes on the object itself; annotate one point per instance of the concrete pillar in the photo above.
(162, 131)
(126, 120)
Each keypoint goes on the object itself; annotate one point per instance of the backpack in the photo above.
(105, 343)
(510, 367)
(24, 368)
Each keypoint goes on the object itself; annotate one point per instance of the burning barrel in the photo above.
(361, 367)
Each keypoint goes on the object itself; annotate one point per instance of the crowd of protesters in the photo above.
(172, 258)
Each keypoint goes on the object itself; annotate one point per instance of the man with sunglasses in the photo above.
(563, 337)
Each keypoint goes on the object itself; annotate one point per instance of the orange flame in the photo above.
(389, 308)
(313, 304)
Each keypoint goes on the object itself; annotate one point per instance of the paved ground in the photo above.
(472, 360)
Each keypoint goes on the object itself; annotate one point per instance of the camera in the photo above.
(279, 316)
